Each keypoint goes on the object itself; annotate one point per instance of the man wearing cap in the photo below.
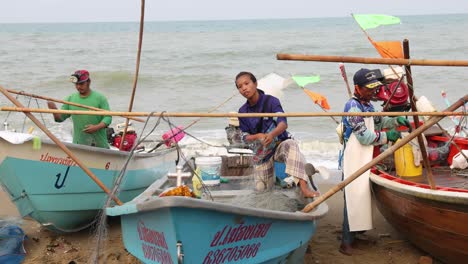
(360, 135)
(87, 129)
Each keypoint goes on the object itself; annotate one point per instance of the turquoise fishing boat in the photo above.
(176, 229)
(48, 186)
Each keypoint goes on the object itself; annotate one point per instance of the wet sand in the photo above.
(384, 245)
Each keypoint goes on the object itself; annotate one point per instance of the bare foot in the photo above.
(308, 193)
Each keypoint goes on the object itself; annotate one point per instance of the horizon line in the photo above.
(214, 19)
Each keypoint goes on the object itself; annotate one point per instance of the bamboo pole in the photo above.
(137, 70)
(382, 156)
(422, 146)
(364, 60)
(202, 114)
(61, 145)
(65, 102)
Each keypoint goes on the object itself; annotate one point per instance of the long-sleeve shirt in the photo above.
(357, 126)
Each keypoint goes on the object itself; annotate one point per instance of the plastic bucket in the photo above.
(404, 162)
(209, 168)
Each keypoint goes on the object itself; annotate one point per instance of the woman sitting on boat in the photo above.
(269, 137)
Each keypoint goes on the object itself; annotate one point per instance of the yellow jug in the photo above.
(404, 162)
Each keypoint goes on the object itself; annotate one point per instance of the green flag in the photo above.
(373, 21)
(304, 80)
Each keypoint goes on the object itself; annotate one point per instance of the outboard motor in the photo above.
(394, 93)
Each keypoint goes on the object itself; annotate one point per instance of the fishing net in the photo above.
(271, 200)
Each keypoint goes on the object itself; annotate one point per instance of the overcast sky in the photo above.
(19, 11)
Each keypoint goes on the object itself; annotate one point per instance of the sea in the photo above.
(190, 66)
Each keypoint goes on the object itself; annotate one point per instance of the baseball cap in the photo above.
(366, 78)
(79, 76)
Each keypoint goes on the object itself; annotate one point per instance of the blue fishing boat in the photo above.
(175, 229)
(48, 186)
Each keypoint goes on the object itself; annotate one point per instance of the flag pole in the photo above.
(345, 78)
(374, 44)
(137, 70)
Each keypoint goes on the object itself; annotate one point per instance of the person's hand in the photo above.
(402, 121)
(393, 135)
(51, 105)
(91, 128)
(267, 139)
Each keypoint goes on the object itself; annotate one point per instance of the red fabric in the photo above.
(128, 143)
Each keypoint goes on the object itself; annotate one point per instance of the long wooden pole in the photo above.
(363, 60)
(422, 146)
(191, 114)
(137, 70)
(382, 156)
(65, 102)
(61, 145)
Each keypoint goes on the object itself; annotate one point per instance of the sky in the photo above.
(25, 11)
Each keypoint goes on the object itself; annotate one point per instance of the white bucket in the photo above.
(209, 169)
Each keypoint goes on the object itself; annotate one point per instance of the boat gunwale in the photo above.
(155, 203)
(441, 195)
(113, 152)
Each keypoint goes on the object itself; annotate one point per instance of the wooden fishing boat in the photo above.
(433, 220)
(48, 186)
(214, 229)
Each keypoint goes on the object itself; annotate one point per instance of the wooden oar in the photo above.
(363, 60)
(388, 152)
(66, 102)
(61, 145)
(191, 114)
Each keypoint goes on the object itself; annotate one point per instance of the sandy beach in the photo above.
(384, 245)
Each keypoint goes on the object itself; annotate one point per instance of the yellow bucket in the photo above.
(404, 162)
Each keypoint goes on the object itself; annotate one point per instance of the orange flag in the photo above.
(318, 99)
(388, 49)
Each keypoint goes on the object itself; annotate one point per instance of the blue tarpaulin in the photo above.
(11, 243)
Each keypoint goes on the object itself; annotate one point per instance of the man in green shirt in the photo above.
(87, 129)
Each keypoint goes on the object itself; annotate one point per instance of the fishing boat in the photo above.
(216, 228)
(48, 186)
(433, 220)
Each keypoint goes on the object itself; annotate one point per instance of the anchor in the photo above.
(57, 185)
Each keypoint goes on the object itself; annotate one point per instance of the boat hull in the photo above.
(433, 220)
(213, 232)
(49, 187)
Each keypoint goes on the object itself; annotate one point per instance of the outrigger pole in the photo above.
(364, 60)
(203, 114)
(61, 145)
(65, 102)
(382, 156)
